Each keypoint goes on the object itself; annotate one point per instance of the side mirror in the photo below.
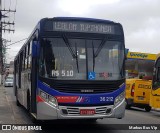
(126, 53)
(35, 49)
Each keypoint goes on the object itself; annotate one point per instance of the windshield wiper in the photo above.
(68, 45)
(100, 47)
(121, 69)
(77, 57)
(74, 54)
(93, 56)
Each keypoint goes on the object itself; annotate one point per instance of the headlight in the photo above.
(119, 98)
(43, 95)
(48, 98)
(52, 101)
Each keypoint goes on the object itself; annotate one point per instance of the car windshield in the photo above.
(9, 80)
(72, 58)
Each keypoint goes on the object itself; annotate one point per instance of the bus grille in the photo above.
(85, 89)
(76, 111)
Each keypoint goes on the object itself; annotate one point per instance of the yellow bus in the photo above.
(155, 91)
(139, 72)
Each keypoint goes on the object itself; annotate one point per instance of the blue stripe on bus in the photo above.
(91, 98)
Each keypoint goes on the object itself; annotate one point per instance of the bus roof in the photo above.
(80, 19)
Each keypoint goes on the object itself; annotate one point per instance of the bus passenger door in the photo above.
(33, 76)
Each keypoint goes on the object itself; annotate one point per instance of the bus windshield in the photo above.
(74, 58)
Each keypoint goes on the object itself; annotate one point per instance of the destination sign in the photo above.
(83, 27)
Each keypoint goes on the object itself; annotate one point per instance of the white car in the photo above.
(8, 82)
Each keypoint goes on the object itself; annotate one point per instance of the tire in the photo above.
(91, 120)
(148, 109)
(17, 102)
(33, 119)
(28, 102)
(128, 106)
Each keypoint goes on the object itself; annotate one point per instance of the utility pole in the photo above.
(1, 55)
(3, 25)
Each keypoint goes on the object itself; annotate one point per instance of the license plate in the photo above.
(87, 111)
(140, 98)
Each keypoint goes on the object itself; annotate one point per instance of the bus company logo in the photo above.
(140, 55)
(87, 90)
(83, 100)
(144, 86)
(86, 99)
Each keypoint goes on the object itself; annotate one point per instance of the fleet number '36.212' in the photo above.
(104, 99)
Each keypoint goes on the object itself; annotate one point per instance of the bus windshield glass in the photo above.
(74, 58)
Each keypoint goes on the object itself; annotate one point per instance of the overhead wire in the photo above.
(16, 42)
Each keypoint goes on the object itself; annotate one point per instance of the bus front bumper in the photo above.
(47, 112)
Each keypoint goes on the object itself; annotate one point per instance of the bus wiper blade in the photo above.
(77, 58)
(100, 47)
(74, 54)
(121, 69)
(68, 45)
(93, 56)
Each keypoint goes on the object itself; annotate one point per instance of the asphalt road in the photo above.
(132, 116)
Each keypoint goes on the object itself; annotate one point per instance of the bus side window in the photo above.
(28, 53)
(23, 58)
(26, 58)
(30, 48)
(157, 70)
(29, 61)
(158, 74)
(156, 77)
(26, 63)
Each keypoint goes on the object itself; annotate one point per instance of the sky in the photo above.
(140, 19)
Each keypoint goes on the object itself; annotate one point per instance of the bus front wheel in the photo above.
(33, 119)
(148, 108)
(91, 120)
(17, 102)
(128, 106)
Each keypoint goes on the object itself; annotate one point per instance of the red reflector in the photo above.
(40, 99)
(132, 90)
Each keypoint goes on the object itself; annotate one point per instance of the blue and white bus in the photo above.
(72, 68)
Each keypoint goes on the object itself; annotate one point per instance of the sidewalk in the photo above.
(6, 113)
